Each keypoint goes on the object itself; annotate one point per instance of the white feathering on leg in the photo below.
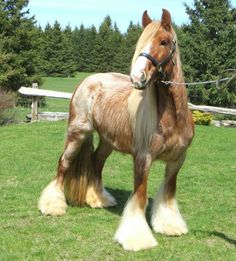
(52, 200)
(99, 199)
(166, 218)
(134, 233)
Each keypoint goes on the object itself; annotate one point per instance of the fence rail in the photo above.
(47, 93)
(35, 92)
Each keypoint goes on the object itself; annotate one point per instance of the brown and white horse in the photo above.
(140, 115)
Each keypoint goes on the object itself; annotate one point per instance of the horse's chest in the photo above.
(168, 147)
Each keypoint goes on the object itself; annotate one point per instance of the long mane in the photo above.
(142, 105)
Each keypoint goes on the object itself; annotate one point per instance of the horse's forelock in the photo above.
(146, 36)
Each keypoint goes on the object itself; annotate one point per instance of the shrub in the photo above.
(7, 101)
(202, 118)
(26, 101)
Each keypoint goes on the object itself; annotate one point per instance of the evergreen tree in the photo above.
(68, 64)
(90, 51)
(51, 49)
(116, 41)
(79, 47)
(57, 51)
(123, 57)
(85, 48)
(208, 48)
(18, 46)
(108, 42)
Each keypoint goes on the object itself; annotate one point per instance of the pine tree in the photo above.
(18, 45)
(208, 48)
(108, 42)
(90, 52)
(68, 63)
(57, 51)
(126, 50)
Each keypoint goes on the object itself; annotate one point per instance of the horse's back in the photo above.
(100, 84)
(109, 80)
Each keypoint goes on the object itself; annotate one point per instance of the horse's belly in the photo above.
(121, 142)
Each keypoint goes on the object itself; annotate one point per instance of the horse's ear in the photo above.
(166, 20)
(146, 19)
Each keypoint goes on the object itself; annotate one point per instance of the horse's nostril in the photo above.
(131, 79)
(143, 77)
(136, 85)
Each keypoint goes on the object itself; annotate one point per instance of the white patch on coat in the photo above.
(140, 64)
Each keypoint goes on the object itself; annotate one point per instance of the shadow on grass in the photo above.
(224, 237)
(121, 197)
(220, 235)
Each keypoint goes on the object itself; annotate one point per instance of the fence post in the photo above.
(34, 107)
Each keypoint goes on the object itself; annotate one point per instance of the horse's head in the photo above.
(153, 58)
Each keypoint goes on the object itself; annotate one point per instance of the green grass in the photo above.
(206, 195)
(52, 104)
(29, 155)
(63, 85)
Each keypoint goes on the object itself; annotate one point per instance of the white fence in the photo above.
(34, 92)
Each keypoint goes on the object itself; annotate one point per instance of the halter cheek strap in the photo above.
(154, 61)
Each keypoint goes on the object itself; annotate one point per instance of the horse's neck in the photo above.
(178, 96)
(146, 108)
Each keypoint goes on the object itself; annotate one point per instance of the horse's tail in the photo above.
(81, 174)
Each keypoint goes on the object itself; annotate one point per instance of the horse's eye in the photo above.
(164, 42)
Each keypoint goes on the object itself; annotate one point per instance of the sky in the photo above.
(92, 12)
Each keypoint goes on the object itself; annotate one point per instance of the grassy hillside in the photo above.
(206, 195)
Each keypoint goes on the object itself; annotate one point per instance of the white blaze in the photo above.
(140, 64)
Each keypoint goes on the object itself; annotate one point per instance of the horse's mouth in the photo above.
(140, 85)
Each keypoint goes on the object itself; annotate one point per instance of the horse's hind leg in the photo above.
(166, 217)
(52, 200)
(97, 196)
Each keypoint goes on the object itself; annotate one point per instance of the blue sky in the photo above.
(88, 12)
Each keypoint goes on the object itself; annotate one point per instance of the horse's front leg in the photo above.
(166, 217)
(134, 233)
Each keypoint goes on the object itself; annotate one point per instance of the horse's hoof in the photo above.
(52, 201)
(99, 200)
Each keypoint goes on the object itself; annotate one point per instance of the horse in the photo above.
(145, 115)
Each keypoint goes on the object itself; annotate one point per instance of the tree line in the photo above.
(28, 52)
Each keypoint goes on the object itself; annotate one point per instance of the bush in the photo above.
(202, 118)
(7, 101)
(26, 101)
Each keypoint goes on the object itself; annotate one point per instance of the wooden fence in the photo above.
(34, 92)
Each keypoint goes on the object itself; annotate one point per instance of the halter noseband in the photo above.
(154, 61)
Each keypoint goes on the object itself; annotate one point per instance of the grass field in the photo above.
(54, 84)
(206, 194)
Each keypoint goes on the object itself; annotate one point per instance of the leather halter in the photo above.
(154, 61)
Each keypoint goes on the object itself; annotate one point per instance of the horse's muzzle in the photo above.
(139, 82)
